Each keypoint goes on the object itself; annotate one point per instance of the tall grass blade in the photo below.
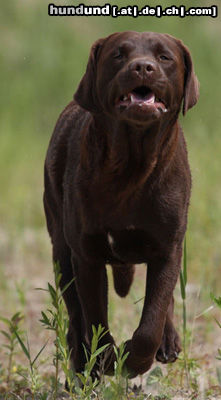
(185, 262)
(66, 286)
(36, 357)
(24, 348)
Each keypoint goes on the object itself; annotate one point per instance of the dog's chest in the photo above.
(129, 245)
(133, 238)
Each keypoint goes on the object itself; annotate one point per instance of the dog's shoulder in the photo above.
(67, 128)
(66, 134)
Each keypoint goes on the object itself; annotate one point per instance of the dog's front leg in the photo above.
(91, 282)
(162, 276)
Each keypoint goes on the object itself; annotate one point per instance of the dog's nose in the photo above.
(142, 67)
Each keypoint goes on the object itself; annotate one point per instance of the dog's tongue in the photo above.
(148, 98)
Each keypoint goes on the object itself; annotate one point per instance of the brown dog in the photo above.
(117, 188)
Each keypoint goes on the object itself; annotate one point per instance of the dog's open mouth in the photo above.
(143, 97)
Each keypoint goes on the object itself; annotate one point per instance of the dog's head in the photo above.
(138, 77)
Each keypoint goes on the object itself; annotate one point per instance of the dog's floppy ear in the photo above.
(191, 83)
(86, 95)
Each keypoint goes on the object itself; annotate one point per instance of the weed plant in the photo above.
(28, 383)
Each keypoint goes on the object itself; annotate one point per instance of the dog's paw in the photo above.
(135, 365)
(170, 346)
(123, 278)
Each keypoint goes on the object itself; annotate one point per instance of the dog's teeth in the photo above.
(132, 98)
(152, 100)
(125, 98)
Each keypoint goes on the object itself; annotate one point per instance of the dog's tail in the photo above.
(123, 277)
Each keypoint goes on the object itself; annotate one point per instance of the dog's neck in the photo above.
(126, 156)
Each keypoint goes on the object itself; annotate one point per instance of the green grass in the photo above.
(41, 62)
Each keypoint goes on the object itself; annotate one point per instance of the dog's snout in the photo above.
(142, 67)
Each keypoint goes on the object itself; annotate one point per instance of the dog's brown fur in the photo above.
(117, 188)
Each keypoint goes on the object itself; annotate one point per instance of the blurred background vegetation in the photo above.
(42, 59)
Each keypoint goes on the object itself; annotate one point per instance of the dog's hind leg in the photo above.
(123, 277)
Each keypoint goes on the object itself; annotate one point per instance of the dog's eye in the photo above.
(118, 55)
(163, 57)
